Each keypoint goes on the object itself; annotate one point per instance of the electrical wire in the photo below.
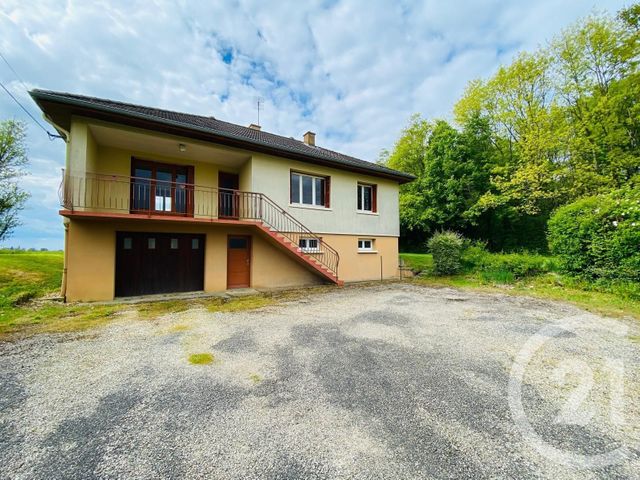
(14, 72)
(51, 136)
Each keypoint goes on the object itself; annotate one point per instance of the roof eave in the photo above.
(40, 95)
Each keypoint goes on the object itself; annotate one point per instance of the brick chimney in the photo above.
(253, 126)
(310, 138)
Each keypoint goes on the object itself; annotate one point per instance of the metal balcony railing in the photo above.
(91, 192)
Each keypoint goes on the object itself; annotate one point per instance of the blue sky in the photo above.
(353, 71)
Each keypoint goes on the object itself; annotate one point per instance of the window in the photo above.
(365, 245)
(161, 188)
(127, 243)
(195, 243)
(238, 242)
(309, 245)
(367, 201)
(174, 244)
(151, 243)
(309, 190)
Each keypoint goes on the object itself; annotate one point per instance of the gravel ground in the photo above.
(387, 381)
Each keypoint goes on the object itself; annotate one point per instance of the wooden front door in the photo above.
(228, 198)
(238, 261)
(148, 263)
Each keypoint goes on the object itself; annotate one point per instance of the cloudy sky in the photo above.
(352, 71)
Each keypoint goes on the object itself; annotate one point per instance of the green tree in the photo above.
(13, 159)
(453, 172)
(554, 125)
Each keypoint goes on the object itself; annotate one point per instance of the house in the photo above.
(155, 201)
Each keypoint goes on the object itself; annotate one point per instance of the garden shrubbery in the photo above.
(599, 237)
(505, 267)
(454, 254)
(446, 249)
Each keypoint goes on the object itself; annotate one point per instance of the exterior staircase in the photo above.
(293, 249)
(286, 231)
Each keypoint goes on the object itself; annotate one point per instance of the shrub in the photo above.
(599, 237)
(475, 255)
(505, 267)
(446, 249)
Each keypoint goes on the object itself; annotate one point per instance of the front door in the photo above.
(238, 261)
(228, 197)
(148, 263)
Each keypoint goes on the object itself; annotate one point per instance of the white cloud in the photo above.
(351, 71)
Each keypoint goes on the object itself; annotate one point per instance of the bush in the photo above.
(599, 237)
(446, 248)
(505, 267)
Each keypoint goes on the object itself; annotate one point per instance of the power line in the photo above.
(14, 72)
(51, 136)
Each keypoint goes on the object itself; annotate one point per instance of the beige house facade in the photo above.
(155, 201)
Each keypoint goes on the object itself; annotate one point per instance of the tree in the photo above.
(452, 169)
(13, 159)
(554, 125)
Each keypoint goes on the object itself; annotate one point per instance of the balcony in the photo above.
(117, 195)
(92, 195)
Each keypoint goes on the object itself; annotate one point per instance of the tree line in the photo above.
(553, 126)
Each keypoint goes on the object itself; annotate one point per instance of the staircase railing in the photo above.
(144, 196)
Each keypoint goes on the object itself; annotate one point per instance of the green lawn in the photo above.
(417, 261)
(613, 300)
(27, 275)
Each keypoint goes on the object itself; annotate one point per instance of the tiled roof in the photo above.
(220, 128)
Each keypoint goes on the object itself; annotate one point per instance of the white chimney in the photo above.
(253, 126)
(310, 138)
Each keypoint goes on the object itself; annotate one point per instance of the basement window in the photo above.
(365, 245)
(309, 245)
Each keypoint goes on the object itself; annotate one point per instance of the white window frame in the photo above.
(362, 242)
(305, 245)
(361, 187)
(313, 190)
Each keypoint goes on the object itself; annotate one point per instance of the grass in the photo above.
(27, 275)
(237, 304)
(615, 299)
(417, 261)
(201, 358)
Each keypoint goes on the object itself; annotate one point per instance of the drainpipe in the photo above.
(63, 288)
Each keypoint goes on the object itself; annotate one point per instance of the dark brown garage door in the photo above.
(148, 263)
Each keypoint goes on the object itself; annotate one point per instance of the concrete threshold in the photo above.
(167, 297)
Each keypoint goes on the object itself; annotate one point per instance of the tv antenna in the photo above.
(259, 102)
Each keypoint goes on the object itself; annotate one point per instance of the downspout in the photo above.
(63, 288)
(66, 135)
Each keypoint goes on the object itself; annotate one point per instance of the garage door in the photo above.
(148, 263)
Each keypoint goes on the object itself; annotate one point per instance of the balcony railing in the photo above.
(90, 192)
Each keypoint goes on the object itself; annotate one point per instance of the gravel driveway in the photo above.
(387, 381)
